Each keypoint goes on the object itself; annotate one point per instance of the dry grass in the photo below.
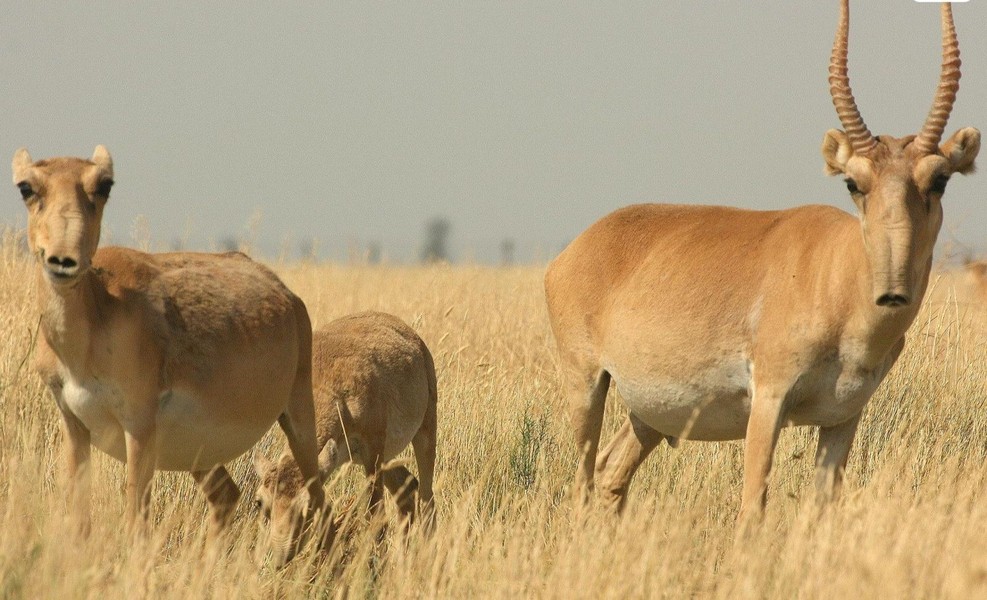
(911, 523)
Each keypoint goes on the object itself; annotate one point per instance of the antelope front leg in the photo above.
(77, 467)
(767, 409)
(831, 456)
(140, 469)
(221, 492)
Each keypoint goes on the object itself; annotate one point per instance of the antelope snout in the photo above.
(61, 266)
(893, 292)
(278, 553)
(893, 300)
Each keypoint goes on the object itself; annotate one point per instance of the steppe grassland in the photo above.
(911, 522)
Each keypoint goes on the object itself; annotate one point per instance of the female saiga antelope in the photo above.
(375, 392)
(171, 361)
(718, 323)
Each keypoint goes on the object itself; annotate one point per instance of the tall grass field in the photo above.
(912, 522)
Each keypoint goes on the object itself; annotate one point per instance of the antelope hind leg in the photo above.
(618, 462)
(424, 444)
(587, 401)
(298, 424)
(403, 487)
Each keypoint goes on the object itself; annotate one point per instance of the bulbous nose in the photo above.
(893, 300)
(64, 266)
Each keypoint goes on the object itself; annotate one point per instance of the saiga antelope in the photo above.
(177, 361)
(375, 393)
(976, 275)
(718, 323)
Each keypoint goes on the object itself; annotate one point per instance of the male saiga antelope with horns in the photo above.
(718, 323)
(175, 361)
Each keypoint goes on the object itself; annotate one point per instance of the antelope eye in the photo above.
(25, 188)
(103, 189)
(939, 184)
(852, 186)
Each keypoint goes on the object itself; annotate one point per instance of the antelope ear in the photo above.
(836, 151)
(961, 150)
(22, 160)
(101, 157)
(261, 464)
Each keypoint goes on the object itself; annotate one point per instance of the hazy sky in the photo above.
(356, 122)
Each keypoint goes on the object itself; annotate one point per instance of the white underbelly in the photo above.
(693, 412)
(186, 436)
(713, 405)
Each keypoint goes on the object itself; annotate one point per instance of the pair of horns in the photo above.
(846, 107)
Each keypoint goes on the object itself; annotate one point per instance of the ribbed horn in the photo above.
(949, 83)
(839, 88)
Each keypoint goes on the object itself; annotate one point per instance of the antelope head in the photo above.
(65, 199)
(283, 502)
(898, 183)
